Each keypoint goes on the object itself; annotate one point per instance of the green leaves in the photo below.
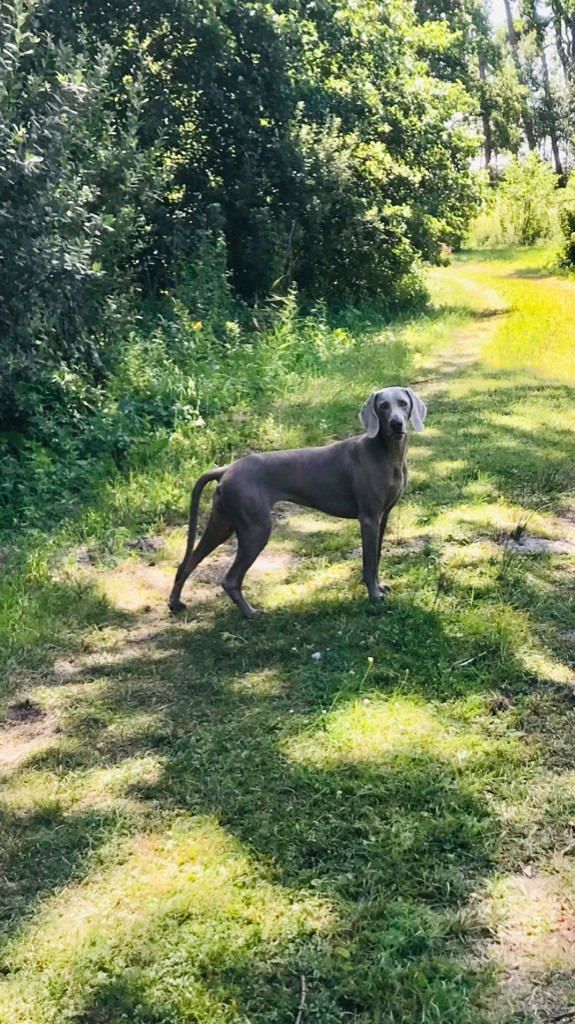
(159, 161)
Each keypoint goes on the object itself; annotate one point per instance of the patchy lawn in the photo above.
(202, 822)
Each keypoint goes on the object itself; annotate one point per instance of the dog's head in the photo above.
(390, 410)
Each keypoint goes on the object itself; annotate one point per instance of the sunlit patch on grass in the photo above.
(544, 666)
(129, 726)
(18, 745)
(134, 586)
(482, 490)
(531, 335)
(175, 545)
(265, 683)
(405, 520)
(536, 418)
(473, 553)
(474, 576)
(374, 729)
(521, 341)
(419, 452)
(448, 467)
(535, 923)
(104, 787)
(308, 523)
(312, 584)
(466, 520)
(190, 902)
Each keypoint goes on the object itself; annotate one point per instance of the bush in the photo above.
(567, 216)
(523, 210)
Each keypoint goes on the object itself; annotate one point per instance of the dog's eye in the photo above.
(402, 403)
(384, 405)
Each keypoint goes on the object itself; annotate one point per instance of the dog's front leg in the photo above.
(382, 525)
(370, 542)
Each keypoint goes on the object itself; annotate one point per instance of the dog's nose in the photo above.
(396, 424)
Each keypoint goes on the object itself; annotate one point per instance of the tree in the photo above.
(513, 39)
(74, 192)
(536, 26)
(249, 95)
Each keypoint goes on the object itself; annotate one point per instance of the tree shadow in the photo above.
(393, 840)
(41, 851)
(534, 273)
(396, 838)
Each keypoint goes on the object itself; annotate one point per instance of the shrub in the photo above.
(524, 207)
(567, 216)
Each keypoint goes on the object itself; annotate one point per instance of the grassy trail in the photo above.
(201, 822)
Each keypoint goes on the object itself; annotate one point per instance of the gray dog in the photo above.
(361, 478)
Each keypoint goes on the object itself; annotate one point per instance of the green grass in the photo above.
(539, 333)
(197, 814)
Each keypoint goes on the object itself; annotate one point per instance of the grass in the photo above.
(204, 823)
(533, 336)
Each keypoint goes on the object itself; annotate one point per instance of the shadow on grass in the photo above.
(43, 850)
(544, 273)
(392, 841)
(41, 614)
(394, 838)
(504, 254)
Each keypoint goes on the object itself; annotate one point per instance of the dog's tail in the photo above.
(212, 474)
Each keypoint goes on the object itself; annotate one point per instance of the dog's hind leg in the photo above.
(252, 539)
(219, 528)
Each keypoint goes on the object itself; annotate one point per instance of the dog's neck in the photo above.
(392, 451)
(394, 447)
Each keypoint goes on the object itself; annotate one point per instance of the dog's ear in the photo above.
(368, 416)
(418, 410)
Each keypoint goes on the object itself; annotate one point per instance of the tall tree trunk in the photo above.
(552, 115)
(564, 28)
(514, 44)
(561, 51)
(485, 119)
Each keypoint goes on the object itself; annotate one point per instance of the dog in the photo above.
(360, 478)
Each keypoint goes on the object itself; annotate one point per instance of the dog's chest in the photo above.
(395, 483)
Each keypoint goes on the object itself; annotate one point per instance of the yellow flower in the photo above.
(197, 326)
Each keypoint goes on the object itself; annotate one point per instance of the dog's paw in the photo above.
(176, 606)
(254, 613)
